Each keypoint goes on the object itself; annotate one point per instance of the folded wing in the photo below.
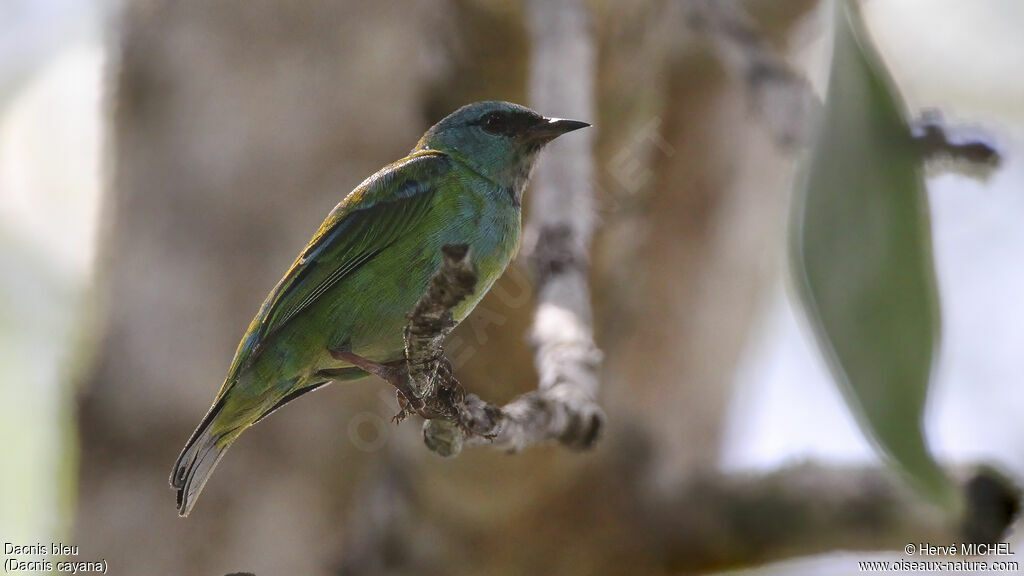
(371, 218)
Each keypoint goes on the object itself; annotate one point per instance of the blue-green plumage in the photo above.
(354, 284)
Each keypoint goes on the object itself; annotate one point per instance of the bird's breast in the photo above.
(493, 238)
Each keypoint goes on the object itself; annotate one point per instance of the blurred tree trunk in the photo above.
(237, 126)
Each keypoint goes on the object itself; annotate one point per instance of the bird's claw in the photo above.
(400, 417)
(415, 406)
(405, 406)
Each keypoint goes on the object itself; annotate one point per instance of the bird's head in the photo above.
(499, 140)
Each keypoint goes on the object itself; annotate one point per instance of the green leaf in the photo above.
(862, 257)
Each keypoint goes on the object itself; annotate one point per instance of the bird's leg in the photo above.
(394, 373)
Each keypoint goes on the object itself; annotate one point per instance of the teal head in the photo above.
(498, 140)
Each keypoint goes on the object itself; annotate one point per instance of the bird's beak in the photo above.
(552, 128)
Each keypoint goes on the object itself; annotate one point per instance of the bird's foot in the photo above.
(427, 408)
(395, 373)
(406, 407)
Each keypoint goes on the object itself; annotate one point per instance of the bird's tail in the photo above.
(201, 454)
(231, 414)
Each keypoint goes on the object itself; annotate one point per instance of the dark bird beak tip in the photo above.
(552, 128)
(562, 125)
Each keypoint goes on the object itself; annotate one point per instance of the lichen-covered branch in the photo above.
(557, 239)
(558, 413)
(561, 224)
(431, 320)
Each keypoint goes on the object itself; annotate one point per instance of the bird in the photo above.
(339, 312)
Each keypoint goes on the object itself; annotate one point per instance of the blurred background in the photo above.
(161, 163)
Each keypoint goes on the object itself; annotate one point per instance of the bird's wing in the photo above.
(366, 222)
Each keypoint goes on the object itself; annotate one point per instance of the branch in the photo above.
(954, 148)
(720, 521)
(431, 321)
(781, 98)
(455, 418)
(557, 236)
(787, 106)
(561, 224)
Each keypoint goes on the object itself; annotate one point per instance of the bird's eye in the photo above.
(492, 123)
